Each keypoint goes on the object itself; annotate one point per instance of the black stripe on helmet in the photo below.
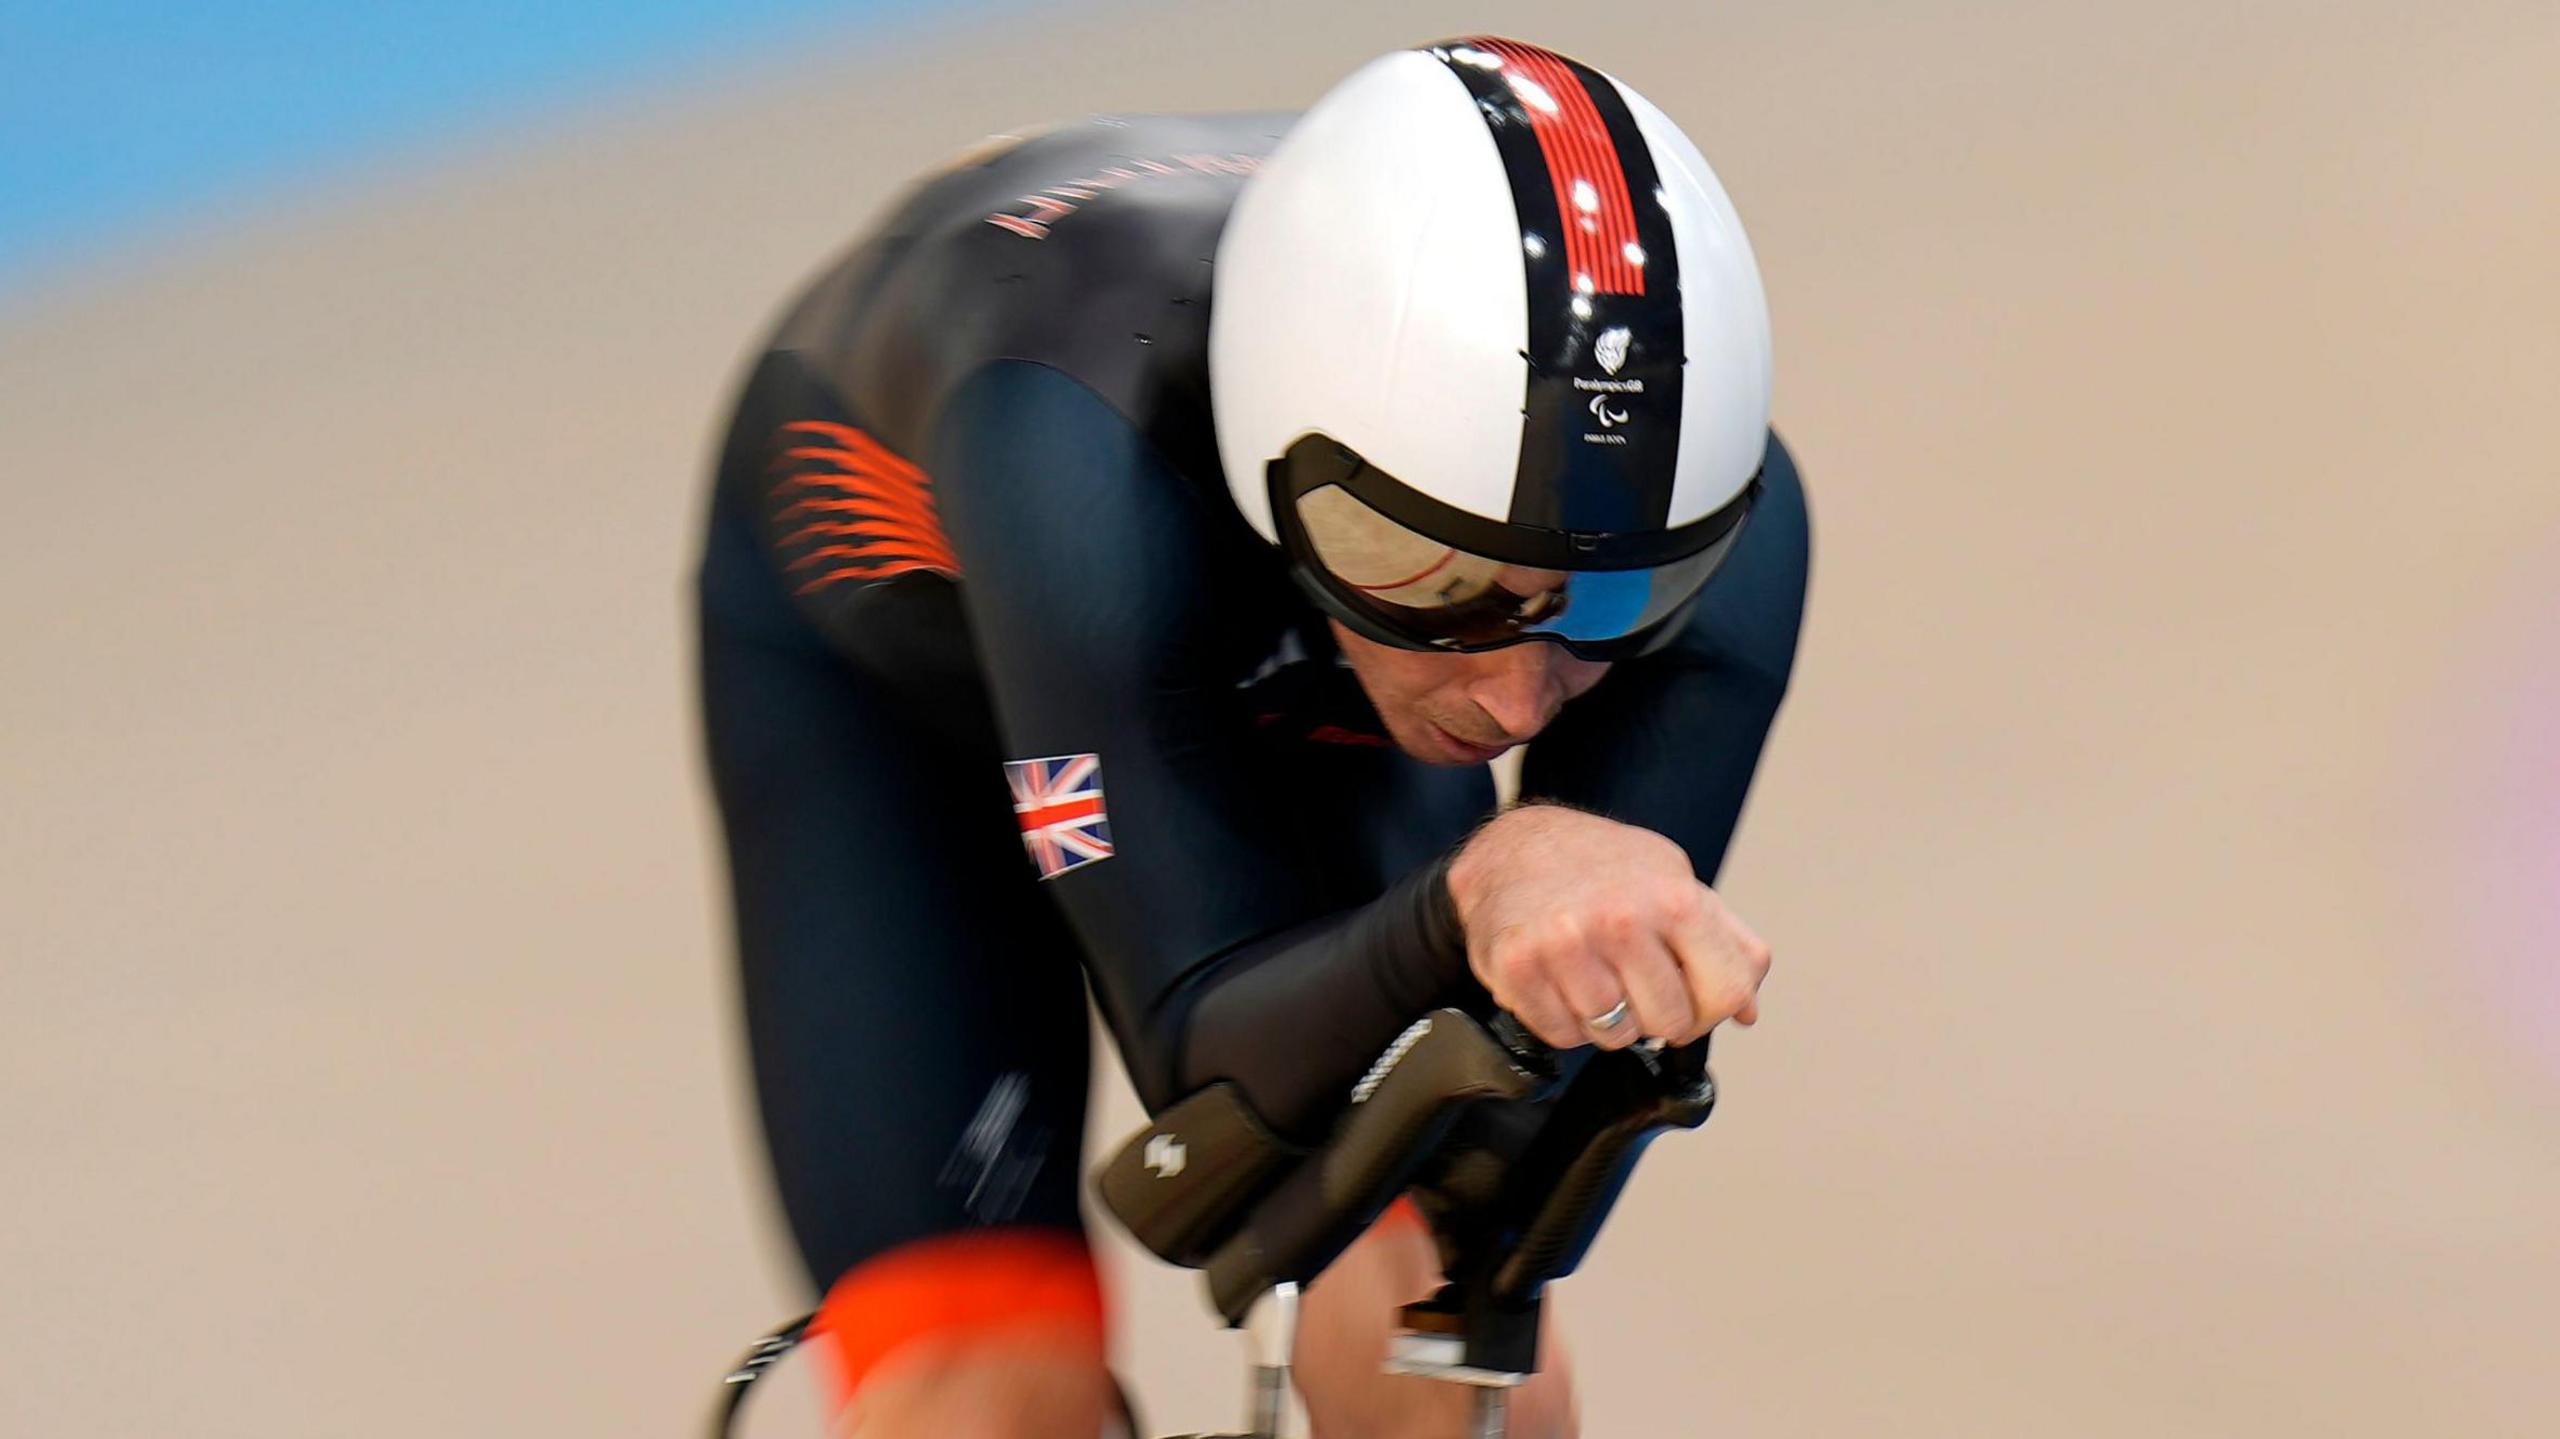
(1600, 433)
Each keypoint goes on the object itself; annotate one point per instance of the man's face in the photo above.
(1456, 709)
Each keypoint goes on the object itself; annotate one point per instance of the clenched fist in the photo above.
(1570, 916)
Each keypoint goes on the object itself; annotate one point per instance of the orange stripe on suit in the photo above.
(871, 514)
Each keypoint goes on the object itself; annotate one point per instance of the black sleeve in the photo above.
(1294, 1018)
(1112, 615)
(1669, 740)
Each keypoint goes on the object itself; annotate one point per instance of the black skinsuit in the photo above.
(970, 511)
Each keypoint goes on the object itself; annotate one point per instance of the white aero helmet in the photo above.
(1489, 355)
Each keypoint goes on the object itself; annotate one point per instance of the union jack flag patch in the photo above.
(1058, 801)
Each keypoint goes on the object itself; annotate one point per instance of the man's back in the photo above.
(1086, 247)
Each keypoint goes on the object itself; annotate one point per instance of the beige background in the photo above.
(2175, 383)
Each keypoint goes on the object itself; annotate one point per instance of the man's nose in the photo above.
(1519, 688)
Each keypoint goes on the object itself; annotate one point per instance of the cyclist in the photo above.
(1120, 569)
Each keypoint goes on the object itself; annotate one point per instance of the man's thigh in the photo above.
(915, 1009)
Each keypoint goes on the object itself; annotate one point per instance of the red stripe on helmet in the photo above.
(1598, 238)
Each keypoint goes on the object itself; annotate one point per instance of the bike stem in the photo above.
(1272, 1331)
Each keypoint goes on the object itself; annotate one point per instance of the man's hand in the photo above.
(1567, 914)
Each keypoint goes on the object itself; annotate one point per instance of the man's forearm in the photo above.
(1293, 1019)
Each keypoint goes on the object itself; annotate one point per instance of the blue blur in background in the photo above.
(118, 117)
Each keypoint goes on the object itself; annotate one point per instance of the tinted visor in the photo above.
(1373, 557)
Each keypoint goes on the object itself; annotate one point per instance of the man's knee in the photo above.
(977, 1325)
(1023, 1383)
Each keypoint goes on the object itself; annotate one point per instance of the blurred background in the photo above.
(2161, 845)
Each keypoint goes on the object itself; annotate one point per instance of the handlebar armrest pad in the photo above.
(1182, 1184)
(1399, 1113)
